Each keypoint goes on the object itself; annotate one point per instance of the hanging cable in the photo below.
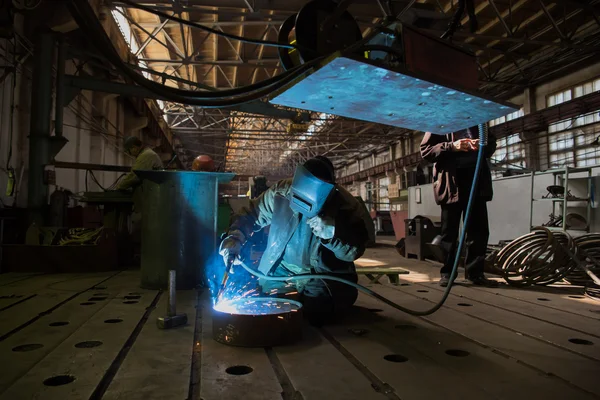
(455, 22)
(88, 22)
(206, 28)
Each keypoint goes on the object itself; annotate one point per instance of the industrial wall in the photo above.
(510, 209)
(94, 125)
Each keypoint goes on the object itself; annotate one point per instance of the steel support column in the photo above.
(39, 136)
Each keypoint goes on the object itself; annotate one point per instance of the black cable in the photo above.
(225, 92)
(88, 22)
(112, 187)
(95, 180)
(206, 28)
(455, 20)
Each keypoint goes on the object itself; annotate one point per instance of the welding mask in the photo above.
(308, 193)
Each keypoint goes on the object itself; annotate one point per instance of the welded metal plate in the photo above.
(268, 325)
(360, 90)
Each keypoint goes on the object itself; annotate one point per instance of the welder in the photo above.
(314, 227)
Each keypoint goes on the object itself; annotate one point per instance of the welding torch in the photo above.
(228, 270)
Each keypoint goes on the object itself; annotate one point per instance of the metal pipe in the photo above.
(39, 136)
(59, 100)
(172, 306)
(91, 167)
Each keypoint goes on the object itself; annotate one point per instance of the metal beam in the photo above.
(152, 36)
(552, 21)
(91, 167)
(223, 63)
(508, 31)
(150, 25)
(39, 136)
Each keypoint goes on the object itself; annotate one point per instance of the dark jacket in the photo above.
(272, 209)
(437, 149)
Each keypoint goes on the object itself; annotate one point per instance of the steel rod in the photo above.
(172, 306)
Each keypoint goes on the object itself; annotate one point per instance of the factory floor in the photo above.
(93, 336)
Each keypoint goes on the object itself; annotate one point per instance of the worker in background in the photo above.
(314, 228)
(145, 159)
(454, 157)
(203, 163)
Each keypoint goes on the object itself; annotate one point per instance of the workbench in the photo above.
(93, 336)
(116, 209)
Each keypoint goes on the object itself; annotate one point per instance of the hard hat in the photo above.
(203, 163)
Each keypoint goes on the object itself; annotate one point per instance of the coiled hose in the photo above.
(543, 257)
(483, 137)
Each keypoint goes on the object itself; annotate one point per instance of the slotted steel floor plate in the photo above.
(360, 90)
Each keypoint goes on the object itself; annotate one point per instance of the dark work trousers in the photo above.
(477, 232)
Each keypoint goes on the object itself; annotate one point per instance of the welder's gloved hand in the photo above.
(322, 227)
(230, 248)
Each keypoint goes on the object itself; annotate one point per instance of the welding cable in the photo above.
(87, 21)
(208, 29)
(483, 137)
(587, 249)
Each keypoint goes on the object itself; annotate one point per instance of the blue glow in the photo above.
(242, 293)
(258, 306)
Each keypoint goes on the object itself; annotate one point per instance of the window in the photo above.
(575, 147)
(366, 163)
(509, 117)
(352, 168)
(382, 192)
(382, 158)
(570, 142)
(510, 153)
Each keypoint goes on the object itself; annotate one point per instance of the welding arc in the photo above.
(88, 22)
(480, 156)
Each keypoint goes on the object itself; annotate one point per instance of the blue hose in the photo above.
(483, 137)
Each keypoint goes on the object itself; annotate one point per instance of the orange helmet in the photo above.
(203, 163)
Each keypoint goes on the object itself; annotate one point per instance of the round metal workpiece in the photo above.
(257, 322)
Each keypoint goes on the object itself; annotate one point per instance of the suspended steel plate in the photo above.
(361, 90)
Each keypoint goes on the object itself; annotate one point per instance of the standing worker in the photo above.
(314, 228)
(145, 159)
(454, 157)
